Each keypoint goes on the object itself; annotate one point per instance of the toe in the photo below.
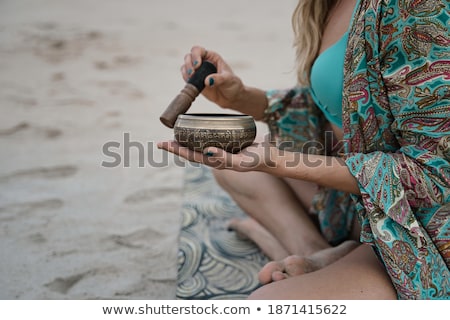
(278, 276)
(265, 275)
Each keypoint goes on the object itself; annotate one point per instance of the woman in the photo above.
(376, 74)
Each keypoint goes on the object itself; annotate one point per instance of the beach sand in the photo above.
(79, 78)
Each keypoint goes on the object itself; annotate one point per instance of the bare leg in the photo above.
(273, 204)
(358, 275)
(251, 229)
(279, 224)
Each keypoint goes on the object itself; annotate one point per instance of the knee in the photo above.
(236, 183)
(225, 178)
(219, 176)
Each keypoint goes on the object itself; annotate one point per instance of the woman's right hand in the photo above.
(224, 87)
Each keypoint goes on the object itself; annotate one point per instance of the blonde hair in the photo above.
(308, 21)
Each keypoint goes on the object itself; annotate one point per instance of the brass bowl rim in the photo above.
(215, 117)
(214, 121)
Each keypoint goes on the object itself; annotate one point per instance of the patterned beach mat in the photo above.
(213, 262)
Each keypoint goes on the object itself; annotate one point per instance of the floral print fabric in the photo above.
(396, 121)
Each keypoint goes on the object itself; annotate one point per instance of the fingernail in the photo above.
(209, 154)
(189, 72)
(195, 63)
(211, 82)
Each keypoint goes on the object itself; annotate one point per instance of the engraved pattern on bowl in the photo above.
(231, 132)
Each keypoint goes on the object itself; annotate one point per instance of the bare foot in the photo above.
(250, 229)
(296, 265)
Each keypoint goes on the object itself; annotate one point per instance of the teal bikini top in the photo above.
(327, 77)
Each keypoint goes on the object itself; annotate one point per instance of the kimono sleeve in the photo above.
(407, 179)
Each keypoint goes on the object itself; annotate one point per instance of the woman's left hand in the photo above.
(326, 171)
(256, 157)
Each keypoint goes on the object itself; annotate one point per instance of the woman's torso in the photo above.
(338, 23)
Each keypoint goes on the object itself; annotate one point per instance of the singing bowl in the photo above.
(231, 132)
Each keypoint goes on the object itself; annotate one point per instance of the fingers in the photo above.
(199, 54)
(209, 159)
(219, 158)
(187, 69)
(175, 148)
(211, 156)
(194, 59)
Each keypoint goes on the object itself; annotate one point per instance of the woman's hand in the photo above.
(256, 157)
(330, 172)
(224, 88)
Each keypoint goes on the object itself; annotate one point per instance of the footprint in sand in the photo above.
(121, 88)
(17, 95)
(12, 211)
(21, 100)
(110, 119)
(55, 43)
(147, 195)
(137, 239)
(37, 238)
(15, 129)
(56, 172)
(122, 61)
(47, 132)
(63, 285)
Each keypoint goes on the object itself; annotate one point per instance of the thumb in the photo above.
(215, 79)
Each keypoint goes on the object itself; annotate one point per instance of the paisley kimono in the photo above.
(396, 122)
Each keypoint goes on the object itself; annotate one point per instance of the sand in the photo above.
(81, 76)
